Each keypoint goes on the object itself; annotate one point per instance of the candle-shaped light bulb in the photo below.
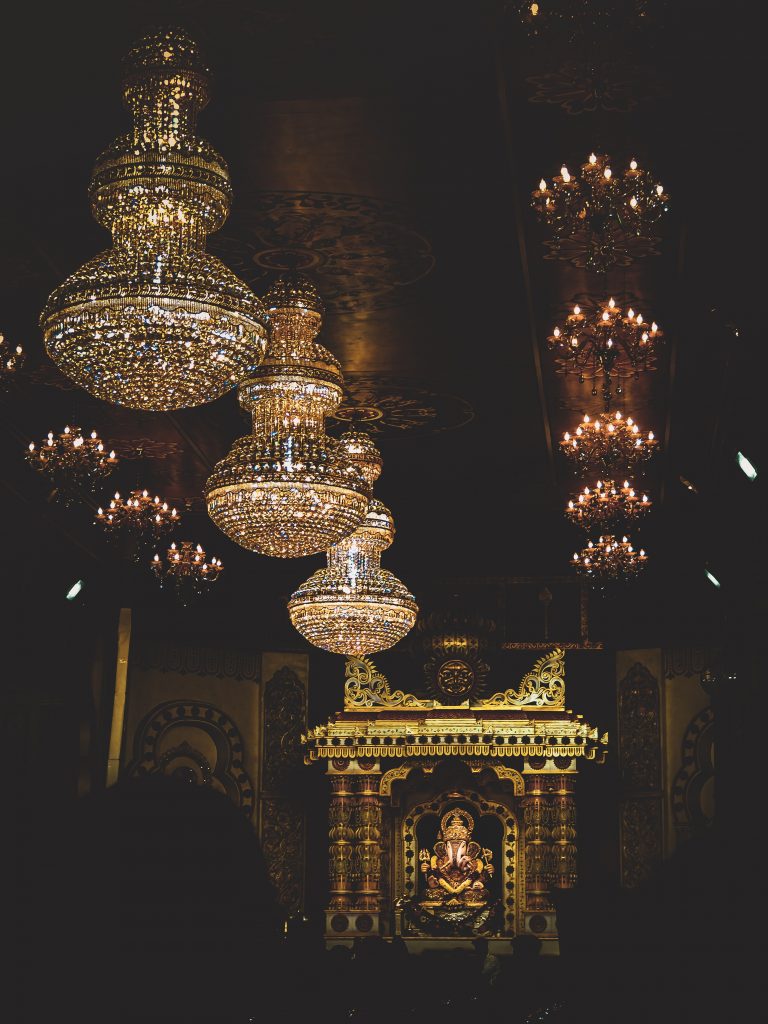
(633, 164)
(659, 190)
(592, 158)
(564, 173)
(633, 202)
(577, 310)
(607, 173)
(542, 186)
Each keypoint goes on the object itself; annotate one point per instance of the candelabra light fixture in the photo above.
(12, 359)
(605, 341)
(156, 322)
(607, 442)
(354, 606)
(187, 570)
(140, 517)
(72, 461)
(288, 489)
(608, 560)
(606, 504)
(601, 202)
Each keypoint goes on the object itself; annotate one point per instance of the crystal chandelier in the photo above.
(156, 322)
(607, 442)
(139, 516)
(287, 489)
(187, 570)
(604, 342)
(606, 504)
(353, 606)
(609, 560)
(602, 203)
(72, 461)
(11, 360)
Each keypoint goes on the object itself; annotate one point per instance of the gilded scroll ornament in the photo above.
(542, 687)
(366, 687)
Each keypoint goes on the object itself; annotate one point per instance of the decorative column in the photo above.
(537, 820)
(367, 856)
(341, 838)
(564, 833)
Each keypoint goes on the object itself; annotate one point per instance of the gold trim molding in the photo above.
(542, 687)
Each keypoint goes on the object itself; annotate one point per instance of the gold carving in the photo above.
(542, 687)
(366, 687)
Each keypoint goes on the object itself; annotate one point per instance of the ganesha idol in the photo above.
(459, 871)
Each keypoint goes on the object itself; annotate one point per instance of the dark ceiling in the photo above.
(390, 150)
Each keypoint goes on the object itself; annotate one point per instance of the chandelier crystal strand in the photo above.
(287, 489)
(603, 202)
(607, 442)
(12, 359)
(72, 461)
(353, 606)
(187, 570)
(140, 516)
(156, 322)
(608, 560)
(606, 504)
(608, 342)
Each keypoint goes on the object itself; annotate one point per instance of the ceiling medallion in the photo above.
(456, 644)
(604, 204)
(139, 517)
(12, 359)
(353, 606)
(606, 504)
(603, 341)
(608, 560)
(186, 570)
(72, 462)
(287, 489)
(363, 252)
(156, 322)
(582, 88)
(392, 406)
(607, 442)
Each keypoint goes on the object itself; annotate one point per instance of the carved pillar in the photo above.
(564, 833)
(537, 823)
(367, 854)
(341, 837)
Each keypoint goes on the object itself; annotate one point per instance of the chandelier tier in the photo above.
(186, 569)
(353, 606)
(607, 442)
(604, 341)
(139, 516)
(597, 200)
(12, 359)
(72, 461)
(287, 489)
(156, 322)
(609, 560)
(606, 504)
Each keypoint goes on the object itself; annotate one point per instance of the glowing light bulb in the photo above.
(592, 158)
(633, 164)
(542, 186)
(564, 174)
(607, 173)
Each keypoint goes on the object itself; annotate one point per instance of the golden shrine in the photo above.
(451, 821)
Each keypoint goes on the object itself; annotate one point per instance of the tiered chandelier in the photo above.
(156, 322)
(139, 516)
(353, 606)
(602, 203)
(605, 342)
(11, 360)
(187, 570)
(606, 504)
(608, 560)
(72, 461)
(287, 489)
(606, 442)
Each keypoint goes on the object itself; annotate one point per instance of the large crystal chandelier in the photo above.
(606, 504)
(186, 570)
(607, 442)
(608, 560)
(156, 322)
(353, 606)
(72, 461)
(604, 342)
(603, 203)
(287, 489)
